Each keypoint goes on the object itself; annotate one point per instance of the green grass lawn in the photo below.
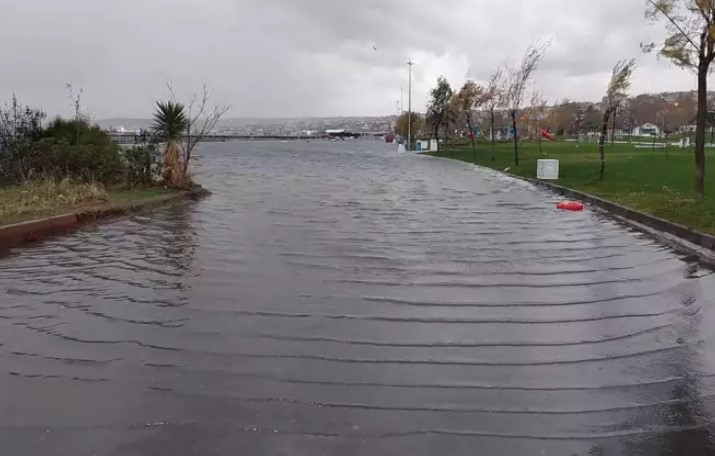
(121, 196)
(638, 178)
(35, 200)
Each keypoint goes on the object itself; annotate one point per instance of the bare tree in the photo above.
(690, 44)
(469, 98)
(518, 79)
(76, 99)
(617, 93)
(203, 116)
(537, 112)
(493, 99)
(79, 118)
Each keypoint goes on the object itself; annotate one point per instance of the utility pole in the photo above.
(409, 108)
(401, 103)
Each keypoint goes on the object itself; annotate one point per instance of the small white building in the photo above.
(687, 128)
(647, 129)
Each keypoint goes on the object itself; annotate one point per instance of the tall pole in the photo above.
(409, 108)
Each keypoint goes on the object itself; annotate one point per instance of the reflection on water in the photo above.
(336, 298)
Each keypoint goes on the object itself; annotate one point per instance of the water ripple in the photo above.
(340, 292)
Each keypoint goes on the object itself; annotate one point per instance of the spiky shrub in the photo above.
(170, 124)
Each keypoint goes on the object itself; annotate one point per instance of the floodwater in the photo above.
(339, 299)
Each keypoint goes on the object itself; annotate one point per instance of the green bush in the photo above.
(74, 132)
(85, 162)
(77, 150)
(142, 164)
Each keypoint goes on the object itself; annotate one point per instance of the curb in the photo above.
(24, 232)
(675, 235)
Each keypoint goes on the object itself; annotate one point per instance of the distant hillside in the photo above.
(272, 126)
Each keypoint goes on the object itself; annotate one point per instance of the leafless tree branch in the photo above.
(520, 76)
(203, 119)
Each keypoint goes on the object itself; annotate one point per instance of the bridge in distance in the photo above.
(134, 138)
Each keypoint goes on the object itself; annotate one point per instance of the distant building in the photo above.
(647, 129)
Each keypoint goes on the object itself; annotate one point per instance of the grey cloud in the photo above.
(309, 57)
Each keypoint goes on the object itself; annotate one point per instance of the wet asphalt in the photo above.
(339, 299)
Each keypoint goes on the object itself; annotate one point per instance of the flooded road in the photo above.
(338, 299)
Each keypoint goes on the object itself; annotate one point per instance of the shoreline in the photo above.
(20, 233)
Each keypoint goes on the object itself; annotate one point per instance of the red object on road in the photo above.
(574, 206)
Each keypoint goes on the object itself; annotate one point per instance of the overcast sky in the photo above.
(278, 58)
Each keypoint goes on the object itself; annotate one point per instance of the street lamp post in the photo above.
(409, 108)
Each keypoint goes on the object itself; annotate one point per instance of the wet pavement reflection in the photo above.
(336, 298)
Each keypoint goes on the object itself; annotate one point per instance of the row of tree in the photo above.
(690, 44)
(504, 94)
(569, 118)
(671, 113)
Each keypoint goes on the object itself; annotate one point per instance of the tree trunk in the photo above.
(187, 156)
(446, 136)
(602, 144)
(613, 133)
(516, 138)
(173, 176)
(494, 141)
(471, 136)
(700, 130)
(436, 133)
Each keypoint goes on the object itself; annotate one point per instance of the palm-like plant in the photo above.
(170, 123)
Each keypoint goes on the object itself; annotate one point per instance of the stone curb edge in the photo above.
(677, 236)
(20, 233)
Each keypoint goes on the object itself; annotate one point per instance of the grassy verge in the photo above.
(34, 200)
(642, 179)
